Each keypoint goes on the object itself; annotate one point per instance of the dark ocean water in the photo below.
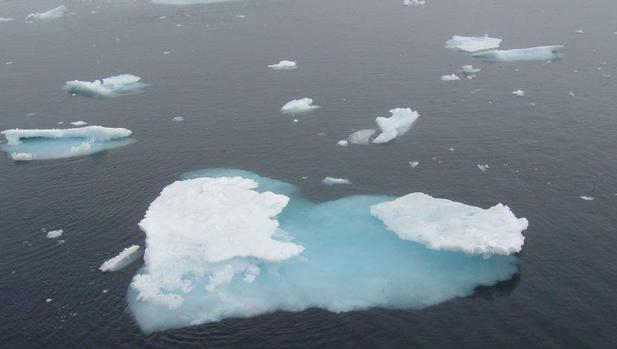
(357, 59)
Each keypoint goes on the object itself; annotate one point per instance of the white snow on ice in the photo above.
(55, 13)
(451, 77)
(298, 106)
(333, 181)
(472, 43)
(108, 87)
(123, 259)
(283, 65)
(54, 234)
(396, 125)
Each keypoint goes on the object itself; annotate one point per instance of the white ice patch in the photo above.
(177, 119)
(396, 125)
(43, 144)
(441, 224)
(54, 234)
(112, 86)
(78, 123)
(469, 69)
(483, 167)
(451, 77)
(518, 93)
(123, 259)
(540, 53)
(333, 181)
(298, 106)
(414, 2)
(587, 198)
(361, 136)
(283, 65)
(6, 19)
(343, 143)
(414, 164)
(472, 43)
(54, 13)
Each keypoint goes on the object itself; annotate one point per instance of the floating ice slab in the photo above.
(414, 2)
(230, 243)
(396, 125)
(469, 69)
(299, 106)
(451, 77)
(540, 53)
(361, 136)
(112, 86)
(123, 259)
(441, 224)
(78, 123)
(6, 19)
(54, 13)
(283, 65)
(333, 181)
(518, 93)
(472, 43)
(44, 144)
(54, 234)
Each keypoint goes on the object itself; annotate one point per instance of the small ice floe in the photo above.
(396, 125)
(22, 156)
(283, 65)
(108, 87)
(518, 93)
(414, 164)
(451, 149)
(333, 181)
(166, 52)
(587, 198)
(414, 2)
(6, 19)
(361, 136)
(48, 300)
(343, 143)
(571, 93)
(54, 234)
(442, 224)
(177, 119)
(124, 258)
(9, 63)
(540, 53)
(472, 43)
(78, 123)
(451, 77)
(240, 16)
(54, 13)
(299, 106)
(469, 71)
(580, 31)
(483, 168)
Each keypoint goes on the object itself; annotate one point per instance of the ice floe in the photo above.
(587, 198)
(540, 53)
(43, 144)
(469, 69)
(177, 119)
(414, 164)
(396, 125)
(54, 234)
(299, 106)
(54, 13)
(78, 123)
(518, 93)
(472, 43)
(483, 167)
(283, 65)
(361, 136)
(123, 259)
(451, 77)
(442, 224)
(6, 19)
(108, 87)
(414, 2)
(333, 181)
(343, 143)
(229, 243)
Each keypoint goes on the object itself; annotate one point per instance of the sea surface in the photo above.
(357, 60)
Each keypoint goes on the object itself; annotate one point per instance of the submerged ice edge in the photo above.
(332, 255)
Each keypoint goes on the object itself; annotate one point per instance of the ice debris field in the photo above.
(45, 144)
(112, 86)
(228, 243)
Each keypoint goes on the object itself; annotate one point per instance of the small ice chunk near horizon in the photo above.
(283, 65)
(333, 181)
(343, 143)
(587, 198)
(177, 119)
(472, 43)
(55, 13)
(451, 77)
(414, 2)
(483, 168)
(54, 234)
(518, 93)
(396, 125)
(414, 164)
(22, 156)
(78, 123)
(298, 106)
(580, 31)
(6, 19)
(123, 259)
(540, 53)
(112, 86)
(361, 136)
(442, 224)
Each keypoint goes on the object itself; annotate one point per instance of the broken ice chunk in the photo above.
(518, 93)
(396, 125)
(451, 77)
(472, 43)
(124, 258)
(333, 181)
(177, 119)
(6, 19)
(361, 136)
(540, 53)
(414, 2)
(298, 106)
(587, 198)
(54, 234)
(108, 87)
(414, 164)
(283, 65)
(54, 13)
(78, 123)
(343, 143)
(483, 168)
(469, 69)
(22, 156)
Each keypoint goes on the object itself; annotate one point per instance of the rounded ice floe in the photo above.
(297, 106)
(333, 181)
(441, 224)
(22, 156)
(283, 65)
(398, 124)
(343, 143)
(472, 43)
(123, 259)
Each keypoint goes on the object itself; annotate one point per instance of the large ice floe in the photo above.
(108, 87)
(228, 243)
(396, 125)
(472, 43)
(44, 144)
(54, 13)
(540, 53)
